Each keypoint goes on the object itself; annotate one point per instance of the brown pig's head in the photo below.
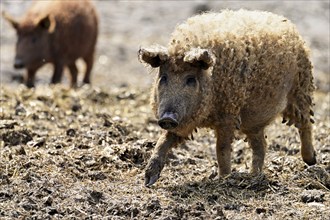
(33, 32)
(181, 89)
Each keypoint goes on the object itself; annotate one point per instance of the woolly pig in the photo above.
(234, 70)
(58, 32)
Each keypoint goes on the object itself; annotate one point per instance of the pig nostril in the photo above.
(168, 123)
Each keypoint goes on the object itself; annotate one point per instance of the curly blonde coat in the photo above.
(251, 67)
(254, 51)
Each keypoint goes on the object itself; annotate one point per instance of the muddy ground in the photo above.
(80, 154)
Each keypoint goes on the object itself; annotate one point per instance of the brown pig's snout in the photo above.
(168, 120)
(18, 63)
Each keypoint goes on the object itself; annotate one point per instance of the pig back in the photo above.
(76, 29)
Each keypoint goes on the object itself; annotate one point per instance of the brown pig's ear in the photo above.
(10, 19)
(200, 58)
(154, 56)
(48, 23)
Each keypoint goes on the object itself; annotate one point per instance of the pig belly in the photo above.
(261, 111)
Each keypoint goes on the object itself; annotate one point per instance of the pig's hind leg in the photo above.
(307, 150)
(74, 73)
(89, 60)
(298, 111)
(258, 144)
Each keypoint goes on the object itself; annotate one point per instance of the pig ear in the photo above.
(200, 58)
(47, 23)
(10, 19)
(154, 56)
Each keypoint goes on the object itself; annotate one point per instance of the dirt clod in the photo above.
(260, 210)
(312, 196)
(16, 137)
(95, 196)
(71, 132)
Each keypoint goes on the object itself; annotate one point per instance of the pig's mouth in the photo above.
(168, 121)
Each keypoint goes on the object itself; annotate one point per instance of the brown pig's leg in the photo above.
(74, 74)
(89, 60)
(58, 71)
(30, 77)
(158, 158)
(224, 139)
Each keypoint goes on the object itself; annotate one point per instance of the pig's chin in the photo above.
(183, 130)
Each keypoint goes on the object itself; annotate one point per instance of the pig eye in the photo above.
(191, 81)
(163, 80)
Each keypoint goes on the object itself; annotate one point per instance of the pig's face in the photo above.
(177, 96)
(179, 89)
(32, 47)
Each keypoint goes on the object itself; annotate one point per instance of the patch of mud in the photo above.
(81, 154)
(13, 138)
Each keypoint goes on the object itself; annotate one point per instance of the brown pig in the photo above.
(229, 71)
(57, 32)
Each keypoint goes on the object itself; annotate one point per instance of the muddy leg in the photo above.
(57, 75)
(89, 65)
(157, 160)
(30, 77)
(223, 149)
(74, 74)
(258, 144)
(307, 150)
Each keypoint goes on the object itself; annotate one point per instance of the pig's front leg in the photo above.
(158, 158)
(58, 72)
(225, 137)
(30, 77)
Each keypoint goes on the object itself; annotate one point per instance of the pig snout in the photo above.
(168, 121)
(18, 63)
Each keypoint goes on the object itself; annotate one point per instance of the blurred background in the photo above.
(125, 26)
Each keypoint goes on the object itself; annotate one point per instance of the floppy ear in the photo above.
(47, 23)
(10, 19)
(154, 56)
(200, 58)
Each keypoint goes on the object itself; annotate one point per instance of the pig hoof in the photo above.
(311, 161)
(29, 85)
(153, 172)
(151, 180)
